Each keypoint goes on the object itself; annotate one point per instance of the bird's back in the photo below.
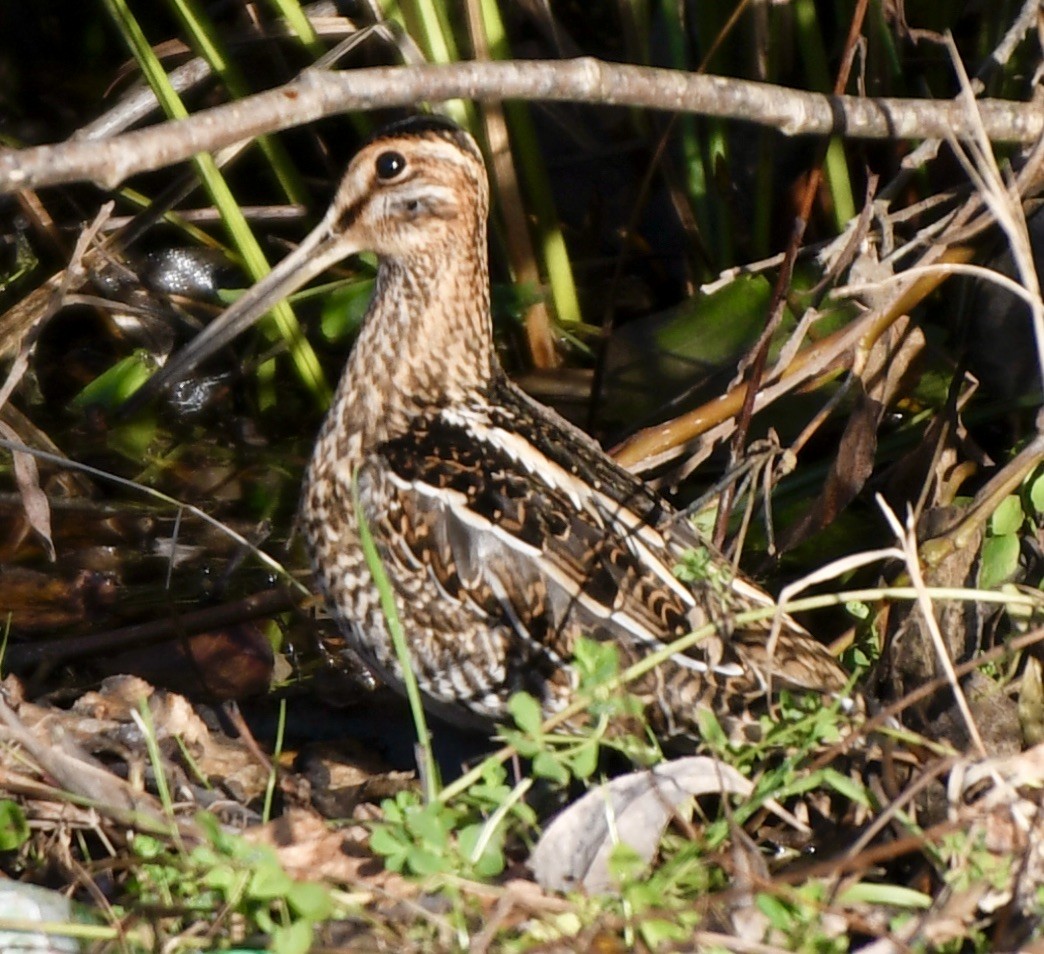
(508, 534)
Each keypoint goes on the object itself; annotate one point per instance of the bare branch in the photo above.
(316, 94)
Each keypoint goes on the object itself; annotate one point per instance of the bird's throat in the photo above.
(426, 343)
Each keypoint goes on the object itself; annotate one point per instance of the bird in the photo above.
(507, 534)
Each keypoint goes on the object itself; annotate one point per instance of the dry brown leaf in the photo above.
(59, 755)
(34, 500)
(878, 384)
(634, 809)
(308, 848)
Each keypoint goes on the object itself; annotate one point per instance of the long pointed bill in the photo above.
(322, 248)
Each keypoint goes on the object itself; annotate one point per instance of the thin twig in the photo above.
(321, 93)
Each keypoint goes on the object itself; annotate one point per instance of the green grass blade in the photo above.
(835, 167)
(303, 357)
(273, 775)
(428, 767)
(297, 20)
(204, 36)
(549, 239)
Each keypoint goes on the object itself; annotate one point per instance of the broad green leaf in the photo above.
(491, 862)
(584, 760)
(269, 881)
(221, 877)
(310, 900)
(1036, 494)
(387, 841)
(525, 710)
(295, 938)
(432, 825)
(423, 862)
(1000, 560)
(545, 765)
(1008, 516)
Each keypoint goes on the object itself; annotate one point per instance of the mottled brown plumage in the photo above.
(506, 532)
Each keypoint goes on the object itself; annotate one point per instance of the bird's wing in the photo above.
(524, 539)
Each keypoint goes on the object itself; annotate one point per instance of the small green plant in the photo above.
(798, 918)
(464, 837)
(658, 902)
(463, 833)
(1018, 515)
(230, 875)
(615, 721)
(699, 565)
(965, 862)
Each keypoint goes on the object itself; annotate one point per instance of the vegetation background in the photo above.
(637, 258)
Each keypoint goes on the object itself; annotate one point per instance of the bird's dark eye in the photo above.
(390, 164)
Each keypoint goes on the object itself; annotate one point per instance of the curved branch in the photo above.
(316, 94)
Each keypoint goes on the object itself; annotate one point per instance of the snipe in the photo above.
(506, 532)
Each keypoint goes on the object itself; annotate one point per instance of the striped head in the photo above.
(416, 194)
(415, 186)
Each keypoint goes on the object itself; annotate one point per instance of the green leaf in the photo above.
(294, 938)
(778, 913)
(625, 864)
(894, 895)
(221, 877)
(584, 760)
(1036, 494)
(310, 900)
(710, 729)
(545, 765)
(111, 388)
(526, 746)
(148, 847)
(133, 438)
(14, 828)
(432, 824)
(694, 565)
(344, 309)
(858, 609)
(490, 862)
(846, 786)
(715, 327)
(1000, 560)
(395, 808)
(661, 934)
(423, 862)
(597, 663)
(388, 841)
(1008, 516)
(513, 301)
(525, 710)
(269, 881)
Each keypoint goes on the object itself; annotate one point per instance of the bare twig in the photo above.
(908, 541)
(316, 94)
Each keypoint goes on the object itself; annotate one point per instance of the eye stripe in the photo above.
(346, 219)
